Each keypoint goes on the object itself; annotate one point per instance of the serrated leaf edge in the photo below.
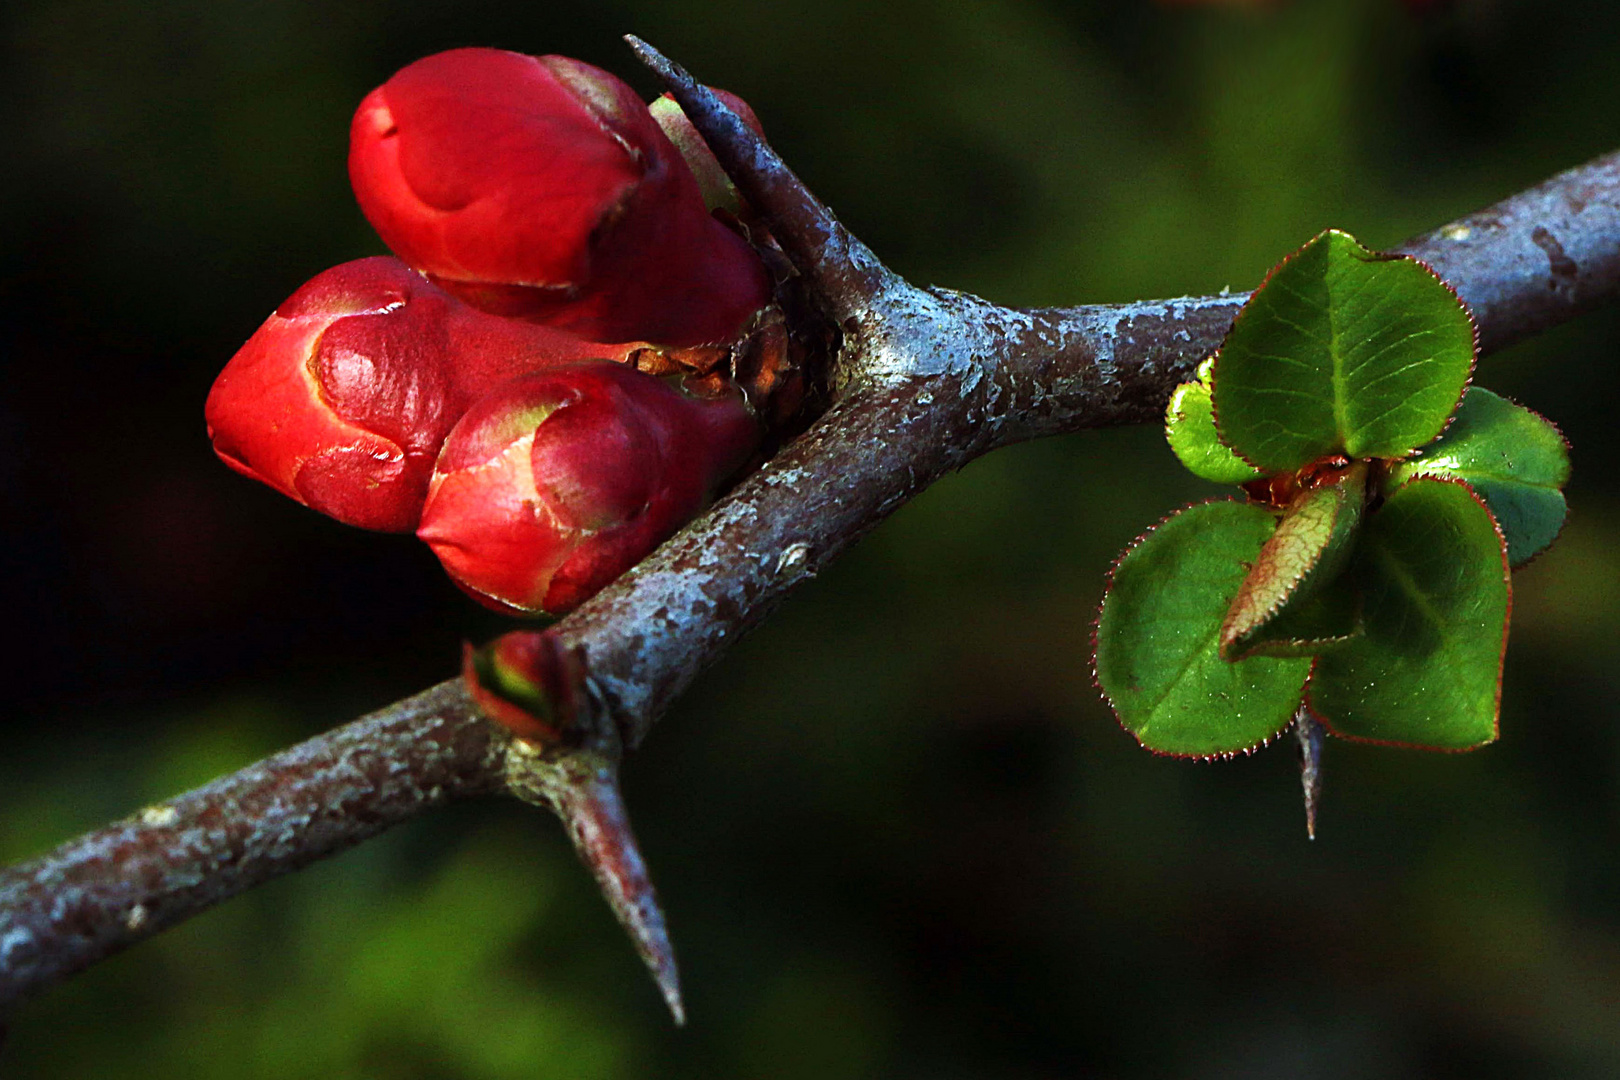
(1201, 376)
(1096, 630)
(1375, 256)
(1303, 644)
(1473, 360)
(1501, 655)
(1307, 647)
(1419, 474)
(1289, 594)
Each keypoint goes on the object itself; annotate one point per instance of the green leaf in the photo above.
(1157, 638)
(1427, 670)
(1330, 618)
(1189, 424)
(1513, 458)
(1341, 351)
(1311, 546)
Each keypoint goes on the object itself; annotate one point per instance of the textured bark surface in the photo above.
(112, 887)
(1537, 258)
(927, 380)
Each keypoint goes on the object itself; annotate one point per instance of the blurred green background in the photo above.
(895, 831)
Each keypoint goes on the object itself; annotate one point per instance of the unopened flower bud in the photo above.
(527, 681)
(541, 187)
(555, 484)
(343, 397)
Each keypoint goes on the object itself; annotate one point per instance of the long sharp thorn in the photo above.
(600, 827)
(841, 269)
(582, 788)
(1311, 736)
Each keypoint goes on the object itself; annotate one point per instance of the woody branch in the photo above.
(925, 380)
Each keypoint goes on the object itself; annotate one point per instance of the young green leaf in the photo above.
(1311, 546)
(1513, 458)
(1189, 425)
(1329, 618)
(1158, 659)
(1427, 670)
(1341, 351)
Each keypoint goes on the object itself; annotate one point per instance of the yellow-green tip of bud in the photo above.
(527, 681)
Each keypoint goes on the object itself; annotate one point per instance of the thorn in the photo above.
(842, 270)
(596, 819)
(1311, 737)
(582, 787)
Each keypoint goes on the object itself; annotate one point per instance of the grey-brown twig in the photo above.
(119, 884)
(927, 379)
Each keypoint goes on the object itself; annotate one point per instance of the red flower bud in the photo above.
(343, 397)
(557, 483)
(541, 187)
(719, 193)
(527, 681)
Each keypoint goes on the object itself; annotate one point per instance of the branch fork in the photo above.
(925, 381)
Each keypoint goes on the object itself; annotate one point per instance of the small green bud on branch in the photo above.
(925, 380)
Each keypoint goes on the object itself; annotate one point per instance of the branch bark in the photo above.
(122, 883)
(927, 380)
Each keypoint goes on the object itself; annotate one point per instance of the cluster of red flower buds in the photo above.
(537, 384)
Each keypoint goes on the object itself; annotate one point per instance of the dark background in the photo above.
(896, 832)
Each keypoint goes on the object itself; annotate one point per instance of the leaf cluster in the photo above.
(1366, 574)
